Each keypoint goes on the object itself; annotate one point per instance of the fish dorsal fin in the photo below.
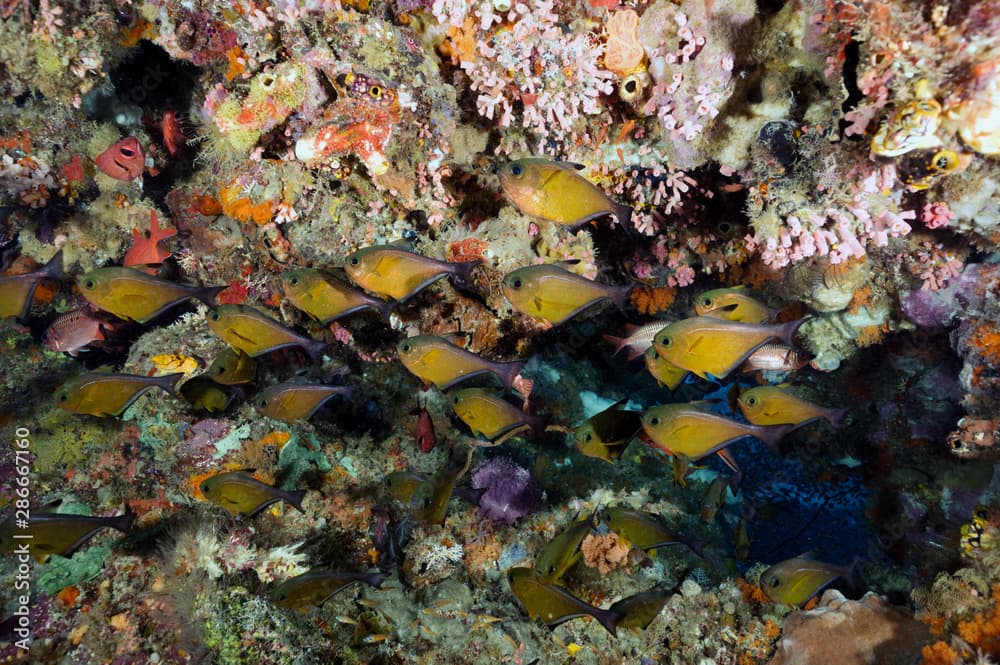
(455, 338)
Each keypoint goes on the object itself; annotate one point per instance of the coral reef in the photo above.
(840, 158)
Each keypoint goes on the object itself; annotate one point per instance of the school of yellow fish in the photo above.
(730, 332)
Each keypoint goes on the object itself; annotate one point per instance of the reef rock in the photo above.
(869, 631)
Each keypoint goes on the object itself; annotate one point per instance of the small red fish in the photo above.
(146, 246)
(173, 137)
(74, 331)
(425, 430)
(124, 160)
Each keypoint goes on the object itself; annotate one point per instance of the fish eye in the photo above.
(454, 400)
(588, 438)
(943, 160)
(517, 283)
(405, 348)
(214, 316)
(707, 302)
(293, 280)
(126, 152)
(655, 420)
(751, 401)
(354, 260)
(88, 284)
(205, 488)
(63, 397)
(516, 169)
(262, 402)
(375, 91)
(665, 341)
(774, 583)
(982, 514)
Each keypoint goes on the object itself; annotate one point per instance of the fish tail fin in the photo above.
(207, 294)
(848, 572)
(538, 425)
(385, 309)
(124, 521)
(772, 435)
(169, 382)
(374, 580)
(294, 499)
(316, 349)
(617, 342)
(620, 295)
(609, 619)
(462, 271)
(509, 372)
(54, 268)
(623, 215)
(786, 331)
(836, 416)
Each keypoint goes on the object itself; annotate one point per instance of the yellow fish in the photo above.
(715, 497)
(401, 485)
(662, 370)
(707, 346)
(253, 333)
(326, 298)
(232, 368)
(795, 581)
(553, 604)
(563, 552)
(108, 394)
(435, 360)
(135, 296)
(639, 610)
(240, 493)
(55, 533)
(554, 294)
(429, 500)
(292, 401)
(16, 291)
(685, 429)
(169, 363)
(643, 530)
(318, 586)
(392, 272)
(490, 415)
(775, 405)
(606, 435)
(206, 395)
(733, 304)
(555, 192)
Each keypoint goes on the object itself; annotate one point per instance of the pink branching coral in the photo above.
(840, 230)
(691, 65)
(935, 265)
(554, 75)
(936, 215)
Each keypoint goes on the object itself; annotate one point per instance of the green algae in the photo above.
(60, 572)
(232, 441)
(295, 459)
